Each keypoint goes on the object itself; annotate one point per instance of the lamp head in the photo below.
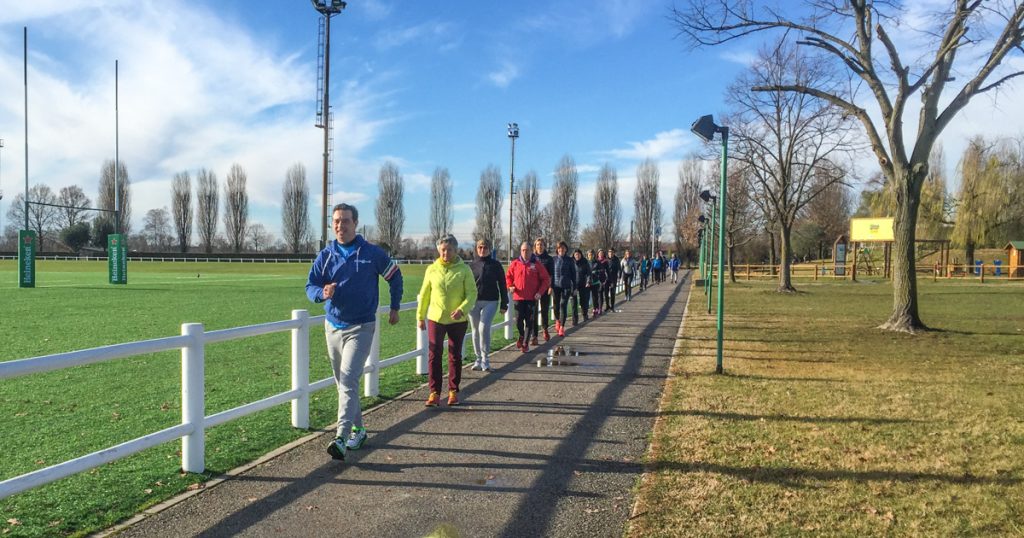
(705, 128)
(707, 196)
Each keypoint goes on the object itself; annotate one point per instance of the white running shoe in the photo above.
(356, 439)
(477, 365)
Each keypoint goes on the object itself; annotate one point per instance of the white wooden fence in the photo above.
(194, 420)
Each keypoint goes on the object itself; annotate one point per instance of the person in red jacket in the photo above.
(527, 280)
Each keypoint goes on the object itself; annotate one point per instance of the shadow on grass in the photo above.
(789, 418)
(797, 477)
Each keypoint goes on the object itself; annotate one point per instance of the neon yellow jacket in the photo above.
(447, 287)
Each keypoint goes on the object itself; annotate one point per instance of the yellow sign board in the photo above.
(871, 229)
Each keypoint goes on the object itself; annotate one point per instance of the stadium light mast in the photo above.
(513, 134)
(327, 9)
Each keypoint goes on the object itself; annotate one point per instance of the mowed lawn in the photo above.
(824, 425)
(56, 416)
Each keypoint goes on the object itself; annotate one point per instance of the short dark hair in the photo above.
(350, 208)
(561, 244)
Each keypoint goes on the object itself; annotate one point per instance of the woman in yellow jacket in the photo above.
(447, 295)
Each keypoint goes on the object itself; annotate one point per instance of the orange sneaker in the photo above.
(453, 397)
(433, 399)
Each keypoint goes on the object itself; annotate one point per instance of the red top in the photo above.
(528, 277)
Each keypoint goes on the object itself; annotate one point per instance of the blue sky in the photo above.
(422, 84)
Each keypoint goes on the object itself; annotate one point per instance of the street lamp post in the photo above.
(706, 128)
(327, 9)
(513, 134)
(709, 198)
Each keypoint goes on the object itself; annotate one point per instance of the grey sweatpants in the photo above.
(349, 349)
(480, 318)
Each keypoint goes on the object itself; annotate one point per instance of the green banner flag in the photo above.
(26, 259)
(117, 259)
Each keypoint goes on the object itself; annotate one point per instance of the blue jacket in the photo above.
(564, 274)
(356, 298)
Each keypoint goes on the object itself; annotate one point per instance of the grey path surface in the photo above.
(533, 451)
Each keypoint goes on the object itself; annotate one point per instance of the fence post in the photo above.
(982, 273)
(300, 369)
(371, 375)
(508, 321)
(422, 345)
(193, 407)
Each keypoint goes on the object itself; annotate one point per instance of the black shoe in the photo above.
(337, 449)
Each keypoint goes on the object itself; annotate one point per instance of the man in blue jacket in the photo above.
(344, 277)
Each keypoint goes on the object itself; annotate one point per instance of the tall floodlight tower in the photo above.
(327, 9)
(513, 134)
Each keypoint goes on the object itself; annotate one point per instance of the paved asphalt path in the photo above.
(532, 451)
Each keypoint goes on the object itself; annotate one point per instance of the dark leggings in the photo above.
(609, 294)
(524, 318)
(581, 299)
(562, 296)
(596, 291)
(543, 314)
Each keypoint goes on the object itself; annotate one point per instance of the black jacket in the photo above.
(582, 273)
(490, 280)
(549, 263)
(564, 275)
(614, 269)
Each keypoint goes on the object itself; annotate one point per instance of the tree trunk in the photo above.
(969, 255)
(785, 259)
(904, 316)
(732, 266)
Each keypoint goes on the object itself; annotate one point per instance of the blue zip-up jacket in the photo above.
(355, 299)
(564, 274)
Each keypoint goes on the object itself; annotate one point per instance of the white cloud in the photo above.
(663, 144)
(431, 31)
(222, 95)
(504, 75)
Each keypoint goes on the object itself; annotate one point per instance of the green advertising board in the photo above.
(117, 259)
(26, 259)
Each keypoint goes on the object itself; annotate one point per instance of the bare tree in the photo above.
(236, 207)
(646, 207)
(783, 138)
(156, 228)
(259, 236)
(687, 208)
(41, 218)
(181, 209)
(607, 213)
(488, 207)
(848, 32)
(441, 218)
(106, 197)
(527, 209)
(207, 207)
(830, 212)
(75, 204)
(564, 207)
(390, 210)
(295, 208)
(740, 221)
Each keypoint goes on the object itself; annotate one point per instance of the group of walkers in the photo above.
(454, 297)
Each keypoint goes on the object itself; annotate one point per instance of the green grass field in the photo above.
(825, 425)
(56, 416)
